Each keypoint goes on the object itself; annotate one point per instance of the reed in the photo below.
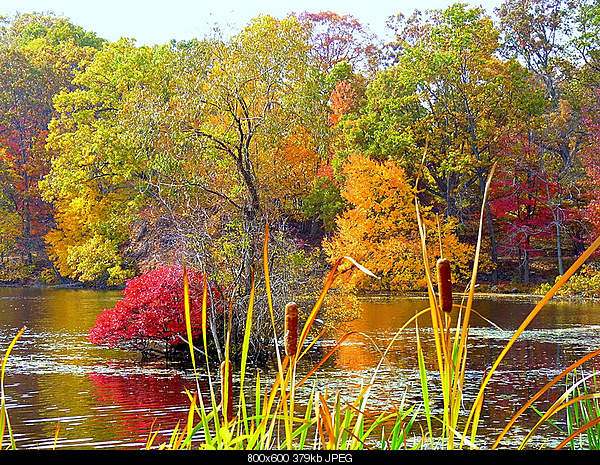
(4, 420)
(274, 422)
(276, 419)
(291, 329)
(227, 391)
(582, 415)
(444, 278)
(330, 423)
(451, 354)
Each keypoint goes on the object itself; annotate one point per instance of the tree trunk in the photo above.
(561, 270)
(526, 268)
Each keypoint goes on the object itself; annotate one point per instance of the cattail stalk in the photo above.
(226, 391)
(291, 329)
(444, 284)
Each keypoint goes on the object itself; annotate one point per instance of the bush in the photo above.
(584, 283)
(152, 311)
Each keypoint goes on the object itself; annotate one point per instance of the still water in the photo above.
(101, 398)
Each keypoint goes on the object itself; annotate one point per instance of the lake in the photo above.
(102, 398)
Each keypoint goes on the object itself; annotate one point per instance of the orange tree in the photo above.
(379, 229)
(447, 86)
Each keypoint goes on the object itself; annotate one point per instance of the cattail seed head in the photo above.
(444, 284)
(291, 329)
(226, 391)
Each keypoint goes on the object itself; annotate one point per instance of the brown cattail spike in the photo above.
(226, 388)
(291, 329)
(444, 284)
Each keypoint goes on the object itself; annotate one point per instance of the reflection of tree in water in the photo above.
(141, 400)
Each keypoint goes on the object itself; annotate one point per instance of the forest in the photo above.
(116, 159)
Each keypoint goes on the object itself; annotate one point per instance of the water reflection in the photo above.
(108, 398)
(56, 378)
(144, 402)
(561, 334)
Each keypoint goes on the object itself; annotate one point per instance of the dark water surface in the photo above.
(101, 398)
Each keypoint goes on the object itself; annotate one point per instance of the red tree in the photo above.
(336, 38)
(152, 310)
(591, 162)
(521, 204)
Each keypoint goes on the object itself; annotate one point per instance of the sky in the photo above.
(159, 21)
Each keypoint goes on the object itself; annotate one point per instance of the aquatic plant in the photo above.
(328, 421)
(274, 423)
(290, 329)
(344, 425)
(4, 421)
(583, 410)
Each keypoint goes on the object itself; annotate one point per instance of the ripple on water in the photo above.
(108, 399)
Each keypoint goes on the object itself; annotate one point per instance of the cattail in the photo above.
(226, 400)
(291, 329)
(444, 284)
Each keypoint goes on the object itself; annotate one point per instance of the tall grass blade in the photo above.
(423, 379)
(187, 314)
(579, 431)
(4, 421)
(541, 392)
(561, 281)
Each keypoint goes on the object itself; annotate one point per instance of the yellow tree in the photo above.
(98, 179)
(242, 102)
(39, 55)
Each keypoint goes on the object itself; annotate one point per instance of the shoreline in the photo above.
(361, 295)
(482, 295)
(73, 285)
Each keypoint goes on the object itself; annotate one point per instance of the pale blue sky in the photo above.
(158, 21)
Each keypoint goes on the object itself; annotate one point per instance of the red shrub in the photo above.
(153, 310)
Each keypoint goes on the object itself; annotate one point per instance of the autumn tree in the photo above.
(346, 95)
(380, 229)
(447, 90)
(39, 56)
(591, 162)
(535, 31)
(519, 204)
(541, 35)
(338, 38)
(183, 151)
(96, 182)
(242, 106)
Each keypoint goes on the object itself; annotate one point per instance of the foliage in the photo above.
(152, 310)
(521, 204)
(324, 202)
(446, 90)
(118, 157)
(591, 164)
(379, 228)
(96, 174)
(585, 283)
(39, 56)
(338, 38)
